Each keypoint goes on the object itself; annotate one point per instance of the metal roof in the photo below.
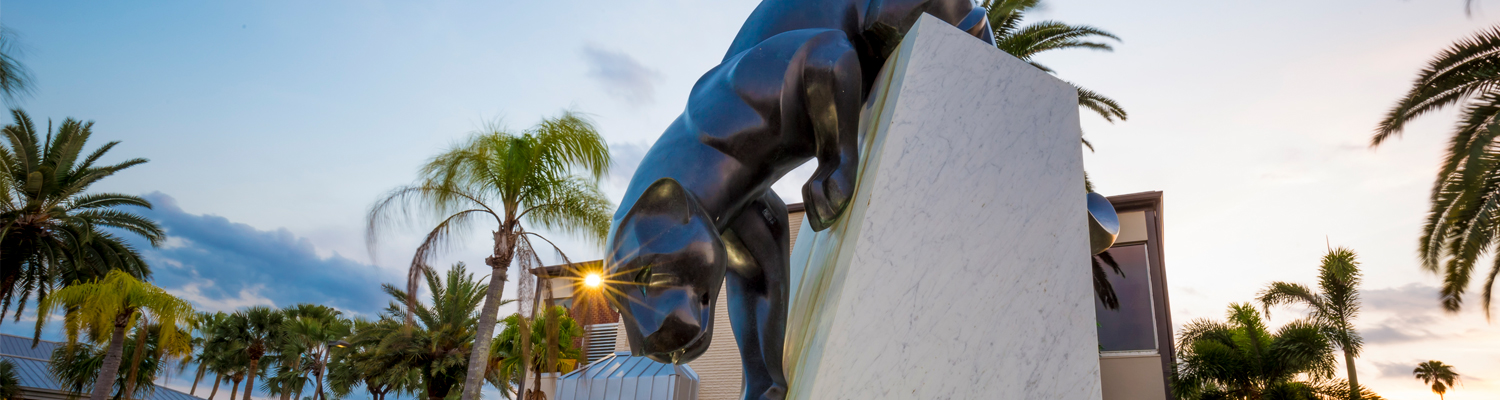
(31, 367)
(621, 376)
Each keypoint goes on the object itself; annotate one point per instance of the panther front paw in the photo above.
(826, 198)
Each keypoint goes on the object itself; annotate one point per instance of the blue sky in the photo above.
(271, 126)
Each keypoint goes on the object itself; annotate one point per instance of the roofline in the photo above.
(1136, 201)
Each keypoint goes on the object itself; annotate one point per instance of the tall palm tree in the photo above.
(1437, 374)
(1242, 359)
(1025, 42)
(108, 307)
(438, 342)
(1461, 221)
(49, 227)
(1334, 306)
(259, 328)
(516, 179)
(15, 79)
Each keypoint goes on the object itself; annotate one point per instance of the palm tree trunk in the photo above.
(286, 393)
(318, 374)
(217, 378)
(1353, 378)
(479, 357)
(202, 368)
(250, 377)
(135, 360)
(299, 388)
(526, 355)
(234, 390)
(111, 367)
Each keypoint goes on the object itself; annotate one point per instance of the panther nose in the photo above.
(674, 334)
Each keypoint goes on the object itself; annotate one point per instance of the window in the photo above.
(1133, 326)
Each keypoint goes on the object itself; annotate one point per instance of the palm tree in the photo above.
(208, 328)
(259, 328)
(1460, 226)
(76, 366)
(307, 333)
(10, 382)
(361, 363)
(154, 354)
(1437, 374)
(1242, 359)
(108, 307)
(49, 228)
(513, 178)
(1027, 41)
(557, 325)
(1333, 307)
(438, 342)
(15, 79)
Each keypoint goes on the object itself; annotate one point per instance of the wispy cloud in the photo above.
(222, 265)
(1396, 369)
(621, 75)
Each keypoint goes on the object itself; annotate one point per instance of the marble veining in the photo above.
(960, 270)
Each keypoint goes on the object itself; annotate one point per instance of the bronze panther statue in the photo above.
(700, 209)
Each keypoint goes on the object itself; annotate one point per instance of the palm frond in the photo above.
(1467, 68)
(1104, 106)
(15, 78)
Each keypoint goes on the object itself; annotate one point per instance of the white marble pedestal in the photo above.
(960, 270)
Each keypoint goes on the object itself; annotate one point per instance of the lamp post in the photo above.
(323, 364)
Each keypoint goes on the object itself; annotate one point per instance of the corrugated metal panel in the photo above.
(620, 376)
(12, 345)
(37, 382)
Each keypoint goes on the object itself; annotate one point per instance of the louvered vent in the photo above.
(601, 341)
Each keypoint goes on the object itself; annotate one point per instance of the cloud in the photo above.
(222, 265)
(1413, 298)
(1396, 369)
(1396, 331)
(621, 75)
(627, 157)
(1411, 309)
(247, 297)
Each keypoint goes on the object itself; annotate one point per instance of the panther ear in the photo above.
(663, 207)
(667, 198)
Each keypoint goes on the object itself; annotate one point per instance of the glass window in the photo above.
(1133, 326)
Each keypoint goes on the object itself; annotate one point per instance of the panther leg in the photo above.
(757, 279)
(831, 92)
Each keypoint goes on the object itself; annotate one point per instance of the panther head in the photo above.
(666, 263)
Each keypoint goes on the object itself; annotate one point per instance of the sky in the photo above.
(272, 126)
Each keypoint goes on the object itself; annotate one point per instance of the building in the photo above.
(1135, 341)
(37, 382)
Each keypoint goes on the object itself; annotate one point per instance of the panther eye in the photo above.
(643, 279)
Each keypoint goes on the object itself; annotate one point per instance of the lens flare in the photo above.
(593, 280)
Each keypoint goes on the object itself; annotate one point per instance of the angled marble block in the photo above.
(960, 270)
